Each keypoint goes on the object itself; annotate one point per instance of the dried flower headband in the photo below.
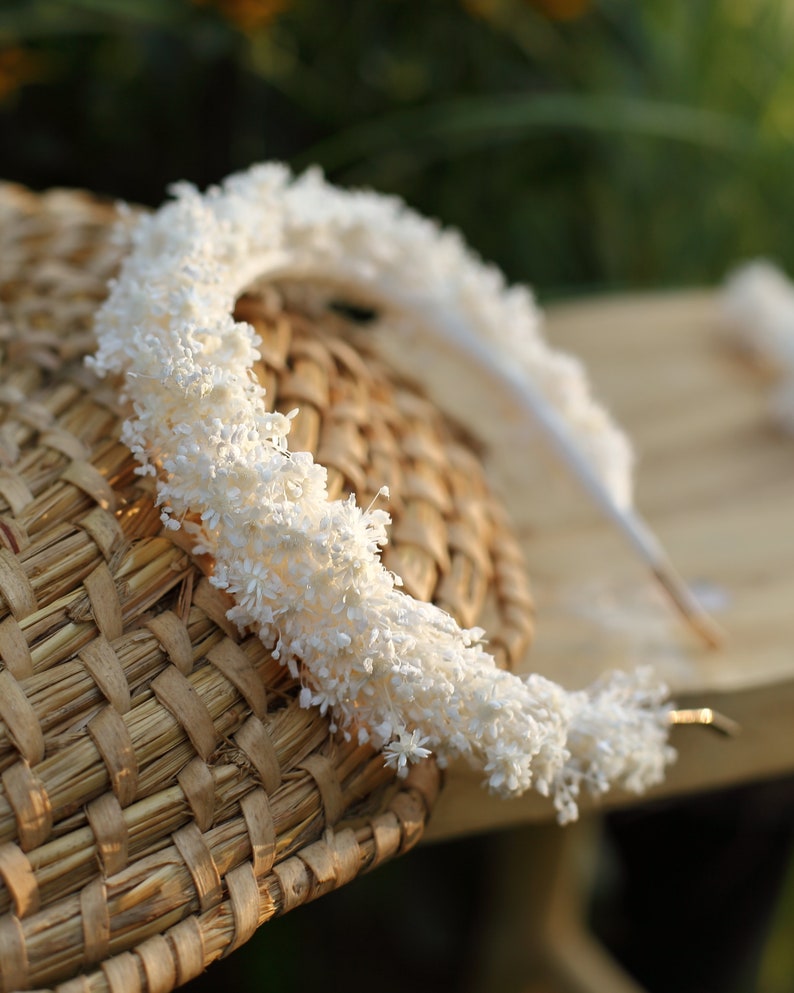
(305, 570)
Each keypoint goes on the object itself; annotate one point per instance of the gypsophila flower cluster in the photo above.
(305, 570)
(759, 303)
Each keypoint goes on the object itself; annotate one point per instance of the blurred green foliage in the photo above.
(637, 144)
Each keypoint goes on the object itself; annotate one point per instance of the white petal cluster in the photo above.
(759, 303)
(305, 570)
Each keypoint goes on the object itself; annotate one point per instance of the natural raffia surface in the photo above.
(163, 794)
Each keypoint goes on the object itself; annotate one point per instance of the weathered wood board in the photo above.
(715, 479)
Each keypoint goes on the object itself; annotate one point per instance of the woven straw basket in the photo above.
(163, 794)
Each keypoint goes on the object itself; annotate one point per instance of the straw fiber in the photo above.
(163, 794)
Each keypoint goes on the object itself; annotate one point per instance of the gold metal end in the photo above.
(706, 717)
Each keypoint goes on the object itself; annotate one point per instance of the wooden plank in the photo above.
(716, 481)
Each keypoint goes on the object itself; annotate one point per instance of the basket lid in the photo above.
(163, 792)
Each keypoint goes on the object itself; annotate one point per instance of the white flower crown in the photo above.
(305, 570)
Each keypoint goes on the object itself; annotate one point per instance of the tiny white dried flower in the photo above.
(405, 749)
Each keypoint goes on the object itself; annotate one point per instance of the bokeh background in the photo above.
(581, 145)
(586, 147)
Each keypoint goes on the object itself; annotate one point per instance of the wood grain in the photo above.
(715, 479)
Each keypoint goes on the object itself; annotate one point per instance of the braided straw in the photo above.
(163, 793)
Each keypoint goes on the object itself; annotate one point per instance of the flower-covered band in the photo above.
(304, 570)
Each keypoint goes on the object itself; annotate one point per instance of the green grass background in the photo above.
(638, 144)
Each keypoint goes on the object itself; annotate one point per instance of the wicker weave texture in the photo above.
(163, 794)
